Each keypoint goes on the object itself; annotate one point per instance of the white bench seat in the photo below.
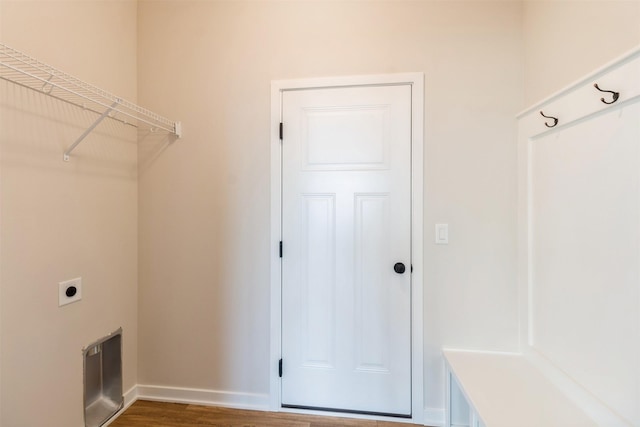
(506, 390)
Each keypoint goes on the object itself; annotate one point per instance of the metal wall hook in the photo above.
(616, 95)
(555, 120)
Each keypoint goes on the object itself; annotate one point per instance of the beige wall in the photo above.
(564, 40)
(204, 200)
(197, 209)
(63, 220)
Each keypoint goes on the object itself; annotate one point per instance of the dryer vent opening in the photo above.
(102, 379)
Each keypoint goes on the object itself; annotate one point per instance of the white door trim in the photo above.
(416, 80)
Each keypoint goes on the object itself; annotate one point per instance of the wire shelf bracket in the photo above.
(25, 71)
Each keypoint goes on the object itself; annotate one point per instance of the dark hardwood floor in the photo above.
(159, 414)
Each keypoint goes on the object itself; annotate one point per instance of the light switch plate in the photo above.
(69, 291)
(442, 234)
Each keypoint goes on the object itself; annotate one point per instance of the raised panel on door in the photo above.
(359, 137)
(346, 203)
(371, 281)
(317, 293)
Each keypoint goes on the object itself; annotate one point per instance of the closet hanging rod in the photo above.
(52, 84)
(25, 71)
(84, 107)
(71, 81)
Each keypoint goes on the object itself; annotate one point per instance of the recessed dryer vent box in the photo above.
(103, 379)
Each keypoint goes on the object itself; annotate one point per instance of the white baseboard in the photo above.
(226, 399)
(130, 396)
(433, 417)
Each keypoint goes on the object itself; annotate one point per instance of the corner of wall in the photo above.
(62, 220)
(590, 33)
(1, 137)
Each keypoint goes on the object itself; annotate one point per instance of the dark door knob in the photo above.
(399, 268)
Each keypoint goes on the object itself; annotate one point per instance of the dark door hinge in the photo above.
(280, 248)
(281, 131)
(280, 368)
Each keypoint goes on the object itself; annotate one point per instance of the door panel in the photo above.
(359, 138)
(318, 300)
(372, 315)
(346, 203)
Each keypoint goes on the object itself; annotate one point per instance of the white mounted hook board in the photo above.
(23, 70)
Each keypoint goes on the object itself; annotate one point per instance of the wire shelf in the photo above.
(21, 69)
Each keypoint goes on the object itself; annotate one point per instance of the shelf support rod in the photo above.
(89, 130)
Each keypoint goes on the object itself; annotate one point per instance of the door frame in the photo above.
(416, 81)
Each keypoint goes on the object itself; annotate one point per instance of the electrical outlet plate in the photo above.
(63, 299)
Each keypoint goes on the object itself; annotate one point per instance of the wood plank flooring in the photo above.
(159, 414)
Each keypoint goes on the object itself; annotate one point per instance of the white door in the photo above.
(346, 228)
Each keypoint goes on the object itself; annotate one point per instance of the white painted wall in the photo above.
(2, 126)
(579, 251)
(63, 220)
(585, 290)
